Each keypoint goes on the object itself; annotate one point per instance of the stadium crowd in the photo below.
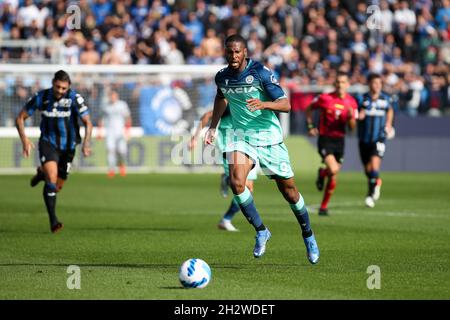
(304, 41)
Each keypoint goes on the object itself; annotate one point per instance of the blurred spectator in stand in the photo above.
(89, 55)
(314, 36)
(404, 15)
(443, 15)
(175, 56)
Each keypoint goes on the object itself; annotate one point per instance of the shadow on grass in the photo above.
(162, 229)
(101, 229)
(236, 266)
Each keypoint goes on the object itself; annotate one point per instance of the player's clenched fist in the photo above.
(210, 136)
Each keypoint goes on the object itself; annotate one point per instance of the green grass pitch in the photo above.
(130, 235)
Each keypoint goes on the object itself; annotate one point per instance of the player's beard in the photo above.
(235, 64)
(57, 95)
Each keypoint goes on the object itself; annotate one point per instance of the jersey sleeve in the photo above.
(216, 79)
(32, 104)
(80, 106)
(319, 101)
(271, 84)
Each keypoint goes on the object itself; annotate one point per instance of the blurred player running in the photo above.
(337, 111)
(253, 94)
(376, 115)
(60, 108)
(225, 130)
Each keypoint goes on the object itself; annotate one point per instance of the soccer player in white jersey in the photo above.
(116, 122)
(253, 94)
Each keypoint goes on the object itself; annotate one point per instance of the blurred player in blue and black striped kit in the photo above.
(376, 115)
(60, 109)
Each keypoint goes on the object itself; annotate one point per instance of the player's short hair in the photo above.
(342, 74)
(373, 76)
(61, 75)
(236, 38)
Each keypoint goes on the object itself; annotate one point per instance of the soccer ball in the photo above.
(195, 273)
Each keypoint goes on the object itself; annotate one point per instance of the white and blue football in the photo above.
(195, 273)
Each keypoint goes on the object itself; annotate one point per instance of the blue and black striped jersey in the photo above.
(371, 128)
(59, 122)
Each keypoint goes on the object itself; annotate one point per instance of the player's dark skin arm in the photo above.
(280, 105)
(203, 121)
(312, 130)
(86, 148)
(220, 105)
(27, 145)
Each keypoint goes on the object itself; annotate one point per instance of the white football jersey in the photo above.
(115, 115)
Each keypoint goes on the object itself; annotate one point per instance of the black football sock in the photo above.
(373, 177)
(50, 201)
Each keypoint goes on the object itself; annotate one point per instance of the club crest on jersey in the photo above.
(249, 79)
(273, 79)
(65, 103)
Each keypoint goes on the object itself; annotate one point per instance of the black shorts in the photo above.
(368, 150)
(64, 158)
(334, 146)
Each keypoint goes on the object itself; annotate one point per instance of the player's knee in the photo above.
(333, 171)
(249, 185)
(237, 185)
(59, 184)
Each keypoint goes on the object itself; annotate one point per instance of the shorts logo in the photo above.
(284, 167)
(381, 148)
(249, 79)
(43, 159)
